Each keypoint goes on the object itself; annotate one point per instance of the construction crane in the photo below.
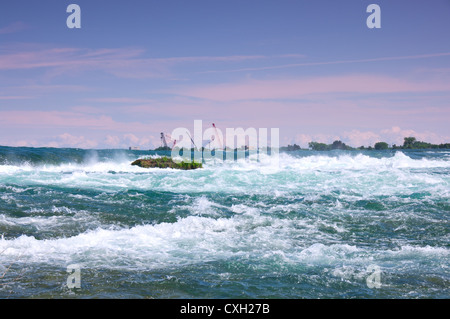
(192, 140)
(164, 142)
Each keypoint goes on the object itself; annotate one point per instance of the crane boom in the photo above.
(192, 140)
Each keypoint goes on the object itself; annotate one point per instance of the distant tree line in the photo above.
(408, 143)
(336, 145)
(294, 147)
(412, 143)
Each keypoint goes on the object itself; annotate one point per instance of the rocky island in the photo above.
(165, 162)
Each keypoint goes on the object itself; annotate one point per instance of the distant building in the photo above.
(133, 148)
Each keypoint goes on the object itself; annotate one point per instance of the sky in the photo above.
(135, 68)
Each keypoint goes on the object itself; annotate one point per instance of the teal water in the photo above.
(312, 225)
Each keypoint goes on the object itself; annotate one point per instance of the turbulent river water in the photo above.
(354, 224)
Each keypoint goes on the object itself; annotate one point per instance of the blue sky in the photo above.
(313, 69)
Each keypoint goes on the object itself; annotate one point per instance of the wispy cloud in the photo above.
(123, 62)
(69, 140)
(13, 27)
(122, 100)
(295, 65)
(63, 57)
(297, 88)
(81, 118)
(54, 119)
(15, 97)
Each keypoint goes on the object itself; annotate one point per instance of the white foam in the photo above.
(198, 239)
(204, 207)
(419, 251)
(206, 234)
(39, 219)
(189, 240)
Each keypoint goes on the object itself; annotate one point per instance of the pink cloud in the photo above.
(36, 59)
(93, 123)
(53, 119)
(69, 140)
(15, 97)
(112, 140)
(61, 140)
(303, 139)
(295, 65)
(356, 138)
(138, 141)
(13, 27)
(126, 62)
(395, 134)
(320, 113)
(296, 88)
(123, 100)
(119, 62)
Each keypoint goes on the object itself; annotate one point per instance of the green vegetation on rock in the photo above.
(166, 162)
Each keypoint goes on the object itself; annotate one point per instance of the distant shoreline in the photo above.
(410, 143)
